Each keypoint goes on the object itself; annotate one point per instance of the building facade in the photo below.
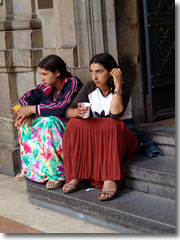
(75, 30)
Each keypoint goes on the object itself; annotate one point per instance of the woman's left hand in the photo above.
(117, 106)
(117, 77)
(24, 112)
(19, 124)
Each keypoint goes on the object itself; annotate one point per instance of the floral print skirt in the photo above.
(41, 149)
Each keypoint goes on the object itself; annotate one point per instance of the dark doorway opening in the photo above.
(157, 44)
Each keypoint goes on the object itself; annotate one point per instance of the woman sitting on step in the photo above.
(41, 123)
(95, 148)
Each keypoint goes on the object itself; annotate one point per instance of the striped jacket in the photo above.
(46, 101)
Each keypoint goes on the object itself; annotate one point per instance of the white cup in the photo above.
(87, 107)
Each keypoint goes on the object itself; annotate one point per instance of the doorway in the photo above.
(157, 45)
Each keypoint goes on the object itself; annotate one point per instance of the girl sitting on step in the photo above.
(95, 148)
(41, 123)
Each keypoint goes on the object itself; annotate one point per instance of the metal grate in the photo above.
(159, 30)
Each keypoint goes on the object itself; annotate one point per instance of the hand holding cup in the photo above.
(84, 109)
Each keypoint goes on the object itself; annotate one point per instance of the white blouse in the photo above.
(100, 105)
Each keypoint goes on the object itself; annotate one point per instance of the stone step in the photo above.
(164, 137)
(131, 211)
(154, 176)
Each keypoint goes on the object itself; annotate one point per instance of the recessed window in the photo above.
(45, 4)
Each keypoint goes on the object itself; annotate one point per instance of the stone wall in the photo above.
(20, 51)
(128, 52)
(73, 29)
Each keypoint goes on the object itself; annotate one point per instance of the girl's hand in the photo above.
(19, 124)
(80, 110)
(117, 77)
(117, 106)
(76, 112)
(23, 113)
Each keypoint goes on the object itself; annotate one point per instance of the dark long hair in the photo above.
(53, 63)
(108, 62)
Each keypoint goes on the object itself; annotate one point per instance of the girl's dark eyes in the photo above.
(98, 71)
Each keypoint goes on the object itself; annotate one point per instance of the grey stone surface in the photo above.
(22, 9)
(132, 209)
(36, 39)
(83, 217)
(7, 130)
(36, 57)
(158, 170)
(82, 73)
(163, 136)
(151, 188)
(167, 150)
(65, 29)
(69, 54)
(21, 58)
(48, 25)
(9, 40)
(153, 176)
(2, 41)
(9, 161)
(2, 59)
(5, 94)
(14, 205)
(157, 129)
(136, 184)
(128, 53)
(25, 81)
(22, 39)
(162, 191)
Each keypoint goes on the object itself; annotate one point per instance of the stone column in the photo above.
(65, 31)
(110, 30)
(128, 52)
(95, 31)
(20, 52)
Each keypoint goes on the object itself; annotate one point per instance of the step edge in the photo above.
(125, 214)
(132, 174)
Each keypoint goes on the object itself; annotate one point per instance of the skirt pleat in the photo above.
(95, 148)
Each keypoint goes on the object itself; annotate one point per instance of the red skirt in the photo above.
(95, 148)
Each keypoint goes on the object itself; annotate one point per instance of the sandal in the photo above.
(108, 194)
(20, 177)
(75, 186)
(57, 184)
(107, 198)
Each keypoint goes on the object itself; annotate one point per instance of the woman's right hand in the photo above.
(76, 112)
(80, 110)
